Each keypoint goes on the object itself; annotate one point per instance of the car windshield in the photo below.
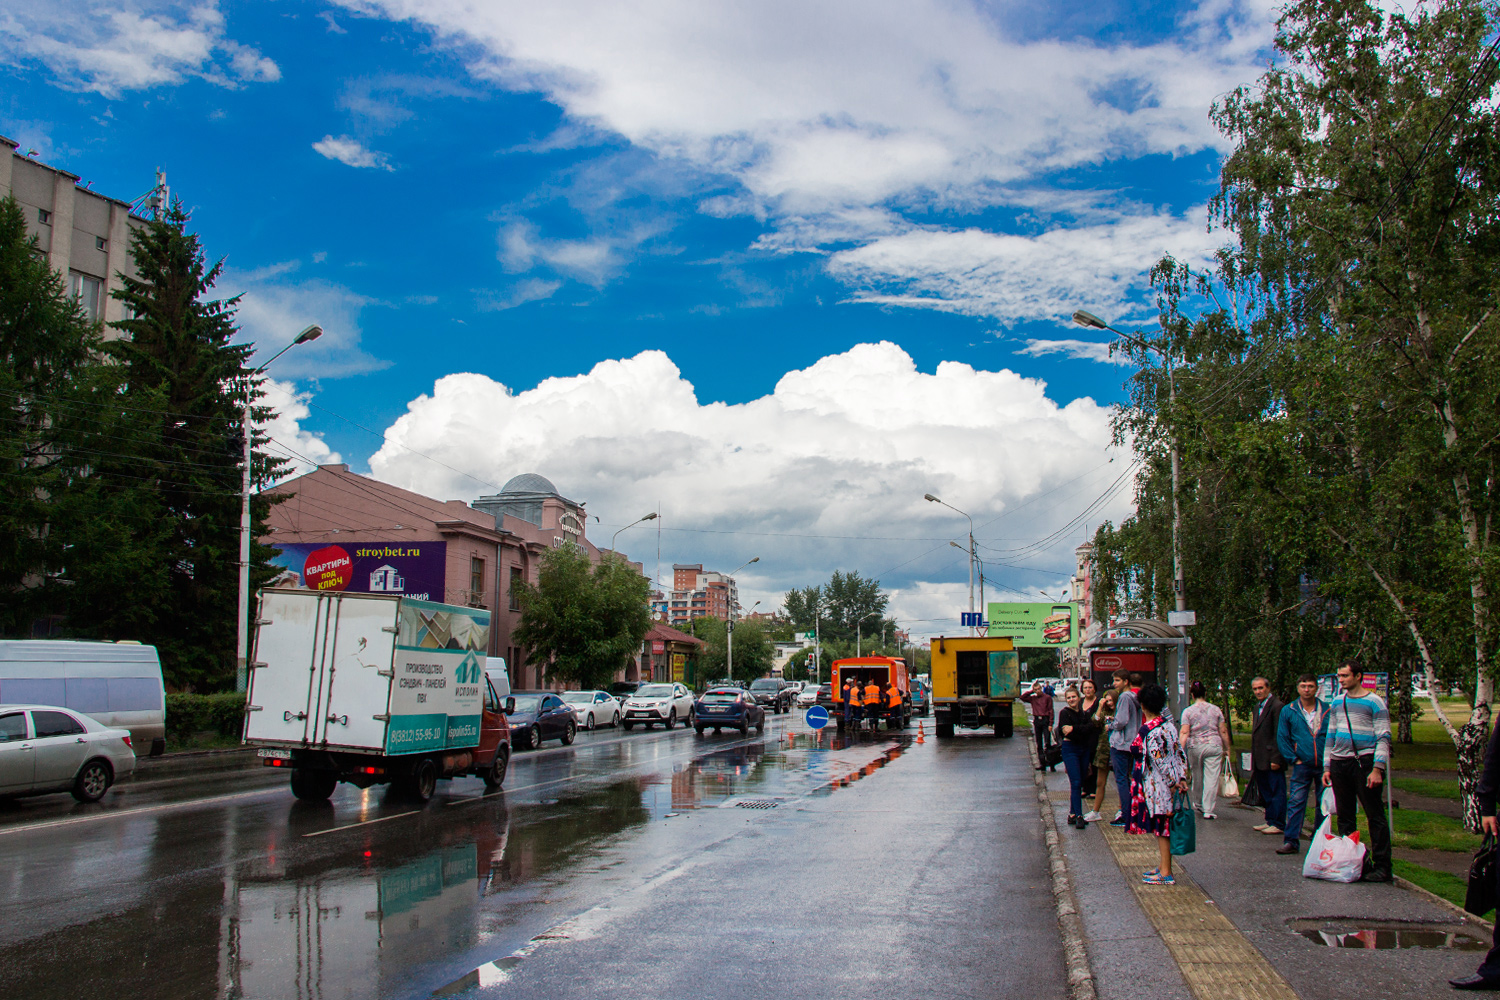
(825, 688)
(578, 697)
(763, 684)
(527, 702)
(655, 691)
(722, 696)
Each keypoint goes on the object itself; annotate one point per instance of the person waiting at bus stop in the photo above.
(872, 702)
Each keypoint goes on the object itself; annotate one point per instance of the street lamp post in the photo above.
(933, 499)
(649, 517)
(729, 638)
(1088, 319)
(242, 631)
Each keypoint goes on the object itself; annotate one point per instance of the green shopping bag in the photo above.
(1184, 827)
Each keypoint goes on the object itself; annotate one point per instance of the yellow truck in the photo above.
(975, 681)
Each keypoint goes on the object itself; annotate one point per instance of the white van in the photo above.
(116, 683)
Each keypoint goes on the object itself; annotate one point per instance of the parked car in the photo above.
(809, 696)
(921, 698)
(44, 748)
(722, 708)
(773, 693)
(117, 684)
(539, 715)
(667, 704)
(825, 698)
(593, 708)
(620, 690)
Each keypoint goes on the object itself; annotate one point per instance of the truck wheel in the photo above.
(570, 734)
(313, 786)
(494, 775)
(1005, 728)
(944, 729)
(423, 780)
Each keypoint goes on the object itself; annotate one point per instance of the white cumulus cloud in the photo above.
(350, 152)
(276, 306)
(111, 48)
(826, 472)
(302, 448)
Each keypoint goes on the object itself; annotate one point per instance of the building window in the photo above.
(99, 243)
(44, 217)
(476, 578)
(86, 290)
(515, 588)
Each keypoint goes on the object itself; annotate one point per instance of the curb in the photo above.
(1446, 904)
(1075, 955)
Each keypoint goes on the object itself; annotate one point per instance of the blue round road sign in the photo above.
(817, 717)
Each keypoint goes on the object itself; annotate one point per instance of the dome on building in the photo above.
(529, 482)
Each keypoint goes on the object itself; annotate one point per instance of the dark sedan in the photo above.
(723, 708)
(535, 716)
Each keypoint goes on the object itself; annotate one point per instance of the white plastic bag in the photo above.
(1336, 859)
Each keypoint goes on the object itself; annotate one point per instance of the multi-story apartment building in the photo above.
(85, 235)
(696, 593)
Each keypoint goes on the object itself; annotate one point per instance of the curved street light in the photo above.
(649, 517)
(242, 631)
(933, 499)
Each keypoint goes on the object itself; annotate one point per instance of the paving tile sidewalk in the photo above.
(1244, 894)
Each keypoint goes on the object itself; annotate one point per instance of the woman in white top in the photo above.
(1205, 735)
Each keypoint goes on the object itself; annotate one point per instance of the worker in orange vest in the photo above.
(893, 701)
(852, 701)
(872, 699)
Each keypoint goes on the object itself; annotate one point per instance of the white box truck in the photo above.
(371, 689)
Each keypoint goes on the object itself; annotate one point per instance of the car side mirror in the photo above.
(510, 706)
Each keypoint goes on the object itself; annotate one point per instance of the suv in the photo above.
(773, 693)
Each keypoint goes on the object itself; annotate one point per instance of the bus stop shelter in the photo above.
(1167, 642)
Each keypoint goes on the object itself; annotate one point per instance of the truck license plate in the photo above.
(274, 754)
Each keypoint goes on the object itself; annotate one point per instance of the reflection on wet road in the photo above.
(250, 893)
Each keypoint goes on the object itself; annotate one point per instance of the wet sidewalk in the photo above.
(1243, 922)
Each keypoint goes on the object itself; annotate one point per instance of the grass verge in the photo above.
(1450, 887)
(1433, 788)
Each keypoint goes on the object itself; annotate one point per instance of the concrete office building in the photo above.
(697, 594)
(85, 235)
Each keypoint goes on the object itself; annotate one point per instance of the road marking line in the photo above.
(1217, 961)
(136, 811)
(350, 826)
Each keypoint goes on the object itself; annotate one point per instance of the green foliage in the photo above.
(845, 603)
(584, 622)
(1445, 884)
(191, 714)
(753, 652)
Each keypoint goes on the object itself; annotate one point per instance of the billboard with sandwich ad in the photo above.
(1044, 625)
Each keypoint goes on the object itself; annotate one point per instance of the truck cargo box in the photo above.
(366, 673)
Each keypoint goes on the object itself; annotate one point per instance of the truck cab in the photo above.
(975, 682)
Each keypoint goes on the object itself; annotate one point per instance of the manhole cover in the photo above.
(1380, 935)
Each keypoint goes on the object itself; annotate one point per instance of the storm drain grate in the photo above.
(756, 804)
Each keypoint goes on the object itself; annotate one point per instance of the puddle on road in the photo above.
(1382, 935)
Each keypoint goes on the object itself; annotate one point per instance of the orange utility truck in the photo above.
(881, 670)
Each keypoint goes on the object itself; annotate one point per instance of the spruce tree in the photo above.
(184, 370)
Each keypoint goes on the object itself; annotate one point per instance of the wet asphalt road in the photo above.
(657, 864)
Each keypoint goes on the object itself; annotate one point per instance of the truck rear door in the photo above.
(357, 673)
(287, 666)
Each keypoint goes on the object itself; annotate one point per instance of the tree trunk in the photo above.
(1400, 692)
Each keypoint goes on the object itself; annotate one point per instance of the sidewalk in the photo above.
(1223, 932)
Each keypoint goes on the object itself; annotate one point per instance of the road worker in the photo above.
(852, 700)
(893, 703)
(872, 701)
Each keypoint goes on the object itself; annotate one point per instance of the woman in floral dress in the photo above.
(1159, 769)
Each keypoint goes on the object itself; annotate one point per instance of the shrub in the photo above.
(189, 714)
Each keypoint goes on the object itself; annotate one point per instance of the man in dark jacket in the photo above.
(1266, 763)
(1488, 976)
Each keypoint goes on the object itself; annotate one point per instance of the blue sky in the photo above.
(524, 193)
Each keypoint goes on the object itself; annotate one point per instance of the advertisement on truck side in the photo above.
(437, 691)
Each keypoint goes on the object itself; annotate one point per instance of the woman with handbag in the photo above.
(1205, 736)
(1159, 768)
(1102, 715)
(1075, 726)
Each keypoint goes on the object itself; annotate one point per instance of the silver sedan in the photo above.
(44, 748)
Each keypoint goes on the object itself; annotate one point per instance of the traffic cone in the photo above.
(921, 734)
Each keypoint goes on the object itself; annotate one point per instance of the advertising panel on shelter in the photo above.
(408, 569)
(1054, 625)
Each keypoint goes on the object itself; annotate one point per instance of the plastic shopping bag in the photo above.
(1228, 786)
(1184, 828)
(1334, 858)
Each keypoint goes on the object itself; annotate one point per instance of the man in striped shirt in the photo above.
(1355, 760)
